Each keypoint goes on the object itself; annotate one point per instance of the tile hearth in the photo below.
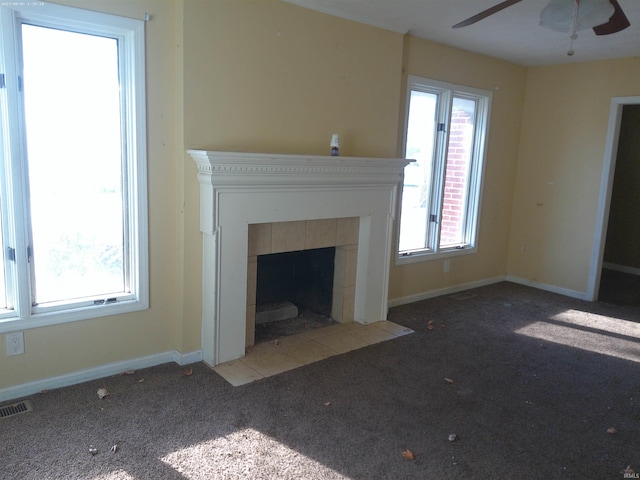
(270, 358)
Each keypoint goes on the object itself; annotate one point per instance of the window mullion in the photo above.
(475, 172)
(468, 223)
(20, 186)
(20, 215)
(439, 166)
(14, 193)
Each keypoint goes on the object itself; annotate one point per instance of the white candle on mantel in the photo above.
(335, 145)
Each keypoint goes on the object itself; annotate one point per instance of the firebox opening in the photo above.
(294, 292)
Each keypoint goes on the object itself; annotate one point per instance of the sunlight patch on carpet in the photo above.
(245, 454)
(612, 325)
(591, 332)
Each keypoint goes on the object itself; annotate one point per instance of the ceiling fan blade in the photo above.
(486, 13)
(616, 23)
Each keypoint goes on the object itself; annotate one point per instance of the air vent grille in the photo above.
(15, 409)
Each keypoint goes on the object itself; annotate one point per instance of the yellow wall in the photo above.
(560, 163)
(507, 83)
(267, 76)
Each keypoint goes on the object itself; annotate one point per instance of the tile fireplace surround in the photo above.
(242, 189)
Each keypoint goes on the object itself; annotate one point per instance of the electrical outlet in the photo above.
(445, 267)
(15, 343)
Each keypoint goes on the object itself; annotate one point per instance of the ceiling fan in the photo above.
(604, 16)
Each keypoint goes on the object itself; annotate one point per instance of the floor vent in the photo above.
(15, 409)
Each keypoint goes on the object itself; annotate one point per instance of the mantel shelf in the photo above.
(266, 168)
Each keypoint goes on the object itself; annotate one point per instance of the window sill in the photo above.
(416, 257)
(67, 316)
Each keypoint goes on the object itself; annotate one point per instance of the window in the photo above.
(446, 130)
(73, 209)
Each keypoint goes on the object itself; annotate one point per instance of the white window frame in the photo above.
(446, 92)
(131, 57)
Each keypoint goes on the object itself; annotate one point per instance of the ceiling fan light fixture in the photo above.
(558, 15)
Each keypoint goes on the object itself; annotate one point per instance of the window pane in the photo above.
(417, 175)
(72, 112)
(456, 182)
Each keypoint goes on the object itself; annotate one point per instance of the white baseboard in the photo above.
(395, 302)
(621, 268)
(102, 371)
(187, 358)
(549, 288)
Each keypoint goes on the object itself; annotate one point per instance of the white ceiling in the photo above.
(512, 34)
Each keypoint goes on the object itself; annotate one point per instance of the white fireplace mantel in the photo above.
(239, 189)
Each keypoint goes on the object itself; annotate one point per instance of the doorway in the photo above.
(616, 258)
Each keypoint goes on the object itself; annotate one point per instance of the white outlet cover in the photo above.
(15, 343)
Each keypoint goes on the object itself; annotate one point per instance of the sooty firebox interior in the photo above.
(294, 292)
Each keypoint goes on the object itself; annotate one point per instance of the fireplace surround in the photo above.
(242, 189)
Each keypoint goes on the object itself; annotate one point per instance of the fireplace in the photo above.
(334, 197)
